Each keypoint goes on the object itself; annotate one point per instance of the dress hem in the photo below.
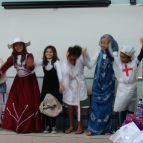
(73, 103)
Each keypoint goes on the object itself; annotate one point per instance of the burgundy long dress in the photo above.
(22, 108)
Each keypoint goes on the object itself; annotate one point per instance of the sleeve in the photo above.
(90, 63)
(6, 65)
(65, 76)
(38, 63)
(110, 53)
(57, 66)
(1, 62)
(140, 56)
(30, 62)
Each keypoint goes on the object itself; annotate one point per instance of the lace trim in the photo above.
(17, 118)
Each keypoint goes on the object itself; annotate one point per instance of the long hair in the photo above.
(54, 58)
(75, 51)
(15, 53)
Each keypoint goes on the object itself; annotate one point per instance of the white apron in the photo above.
(125, 97)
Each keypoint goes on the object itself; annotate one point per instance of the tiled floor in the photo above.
(12, 137)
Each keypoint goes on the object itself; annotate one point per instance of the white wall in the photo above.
(67, 27)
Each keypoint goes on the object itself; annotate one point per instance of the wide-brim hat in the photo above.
(18, 39)
(50, 106)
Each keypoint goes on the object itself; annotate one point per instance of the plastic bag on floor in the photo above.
(137, 137)
(128, 133)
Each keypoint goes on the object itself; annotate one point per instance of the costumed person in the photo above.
(74, 84)
(3, 79)
(126, 68)
(22, 108)
(52, 82)
(102, 90)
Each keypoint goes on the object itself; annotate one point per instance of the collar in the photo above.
(49, 60)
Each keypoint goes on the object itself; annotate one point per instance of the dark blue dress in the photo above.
(102, 96)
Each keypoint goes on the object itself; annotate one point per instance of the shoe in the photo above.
(47, 130)
(0, 127)
(54, 130)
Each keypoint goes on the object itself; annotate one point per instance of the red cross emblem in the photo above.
(126, 69)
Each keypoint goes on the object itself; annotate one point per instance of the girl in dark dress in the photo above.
(52, 82)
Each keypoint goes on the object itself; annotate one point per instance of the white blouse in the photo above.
(90, 63)
(49, 66)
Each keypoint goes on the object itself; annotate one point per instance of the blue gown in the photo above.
(102, 96)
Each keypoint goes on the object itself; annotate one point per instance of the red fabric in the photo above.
(7, 64)
(22, 108)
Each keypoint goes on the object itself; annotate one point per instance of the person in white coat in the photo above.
(126, 69)
(74, 84)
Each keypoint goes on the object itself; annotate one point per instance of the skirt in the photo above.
(22, 108)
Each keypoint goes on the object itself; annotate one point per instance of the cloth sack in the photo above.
(50, 106)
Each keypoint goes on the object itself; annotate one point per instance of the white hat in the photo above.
(18, 39)
(128, 50)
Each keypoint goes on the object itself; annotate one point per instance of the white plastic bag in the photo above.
(116, 138)
(137, 138)
(128, 133)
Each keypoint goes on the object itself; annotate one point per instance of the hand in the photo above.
(30, 63)
(141, 39)
(83, 52)
(1, 74)
(61, 86)
(107, 41)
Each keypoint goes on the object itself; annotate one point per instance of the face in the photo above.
(72, 59)
(124, 58)
(103, 42)
(18, 46)
(49, 53)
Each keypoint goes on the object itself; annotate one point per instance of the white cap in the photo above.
(128, 50)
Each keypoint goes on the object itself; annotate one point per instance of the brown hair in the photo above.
(55, 55)
(15, 53)
(74, 51)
